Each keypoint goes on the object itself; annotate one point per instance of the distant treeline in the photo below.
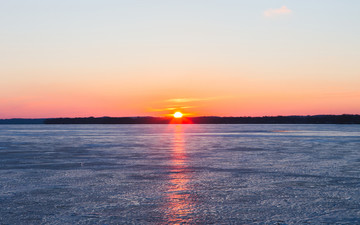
(22, 121)
(318, 119)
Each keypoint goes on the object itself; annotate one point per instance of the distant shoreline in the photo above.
(315, 119)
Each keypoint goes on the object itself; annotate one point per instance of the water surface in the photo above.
(159, 174)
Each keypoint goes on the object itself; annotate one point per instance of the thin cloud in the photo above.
(183, 103)
(171, 108)
(278, 12)
(162, 110)
(185, 100)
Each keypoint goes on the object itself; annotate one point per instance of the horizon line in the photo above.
(351, 114)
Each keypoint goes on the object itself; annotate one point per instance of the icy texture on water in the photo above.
(161, 174)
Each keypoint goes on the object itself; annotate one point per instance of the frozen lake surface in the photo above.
(195, 174)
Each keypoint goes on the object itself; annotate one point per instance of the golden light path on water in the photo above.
(179, 201)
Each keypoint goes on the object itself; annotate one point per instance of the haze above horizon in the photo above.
(202, 58)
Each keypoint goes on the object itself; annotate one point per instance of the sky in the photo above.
(67, 58)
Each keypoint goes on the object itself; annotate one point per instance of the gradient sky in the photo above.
(67, 58)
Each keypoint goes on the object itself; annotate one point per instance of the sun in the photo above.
(178, 115)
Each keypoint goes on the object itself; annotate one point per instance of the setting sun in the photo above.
(178, 115)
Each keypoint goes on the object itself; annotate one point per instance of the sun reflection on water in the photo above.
(180, 203)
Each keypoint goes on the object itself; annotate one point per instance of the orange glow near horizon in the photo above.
(235, 96)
